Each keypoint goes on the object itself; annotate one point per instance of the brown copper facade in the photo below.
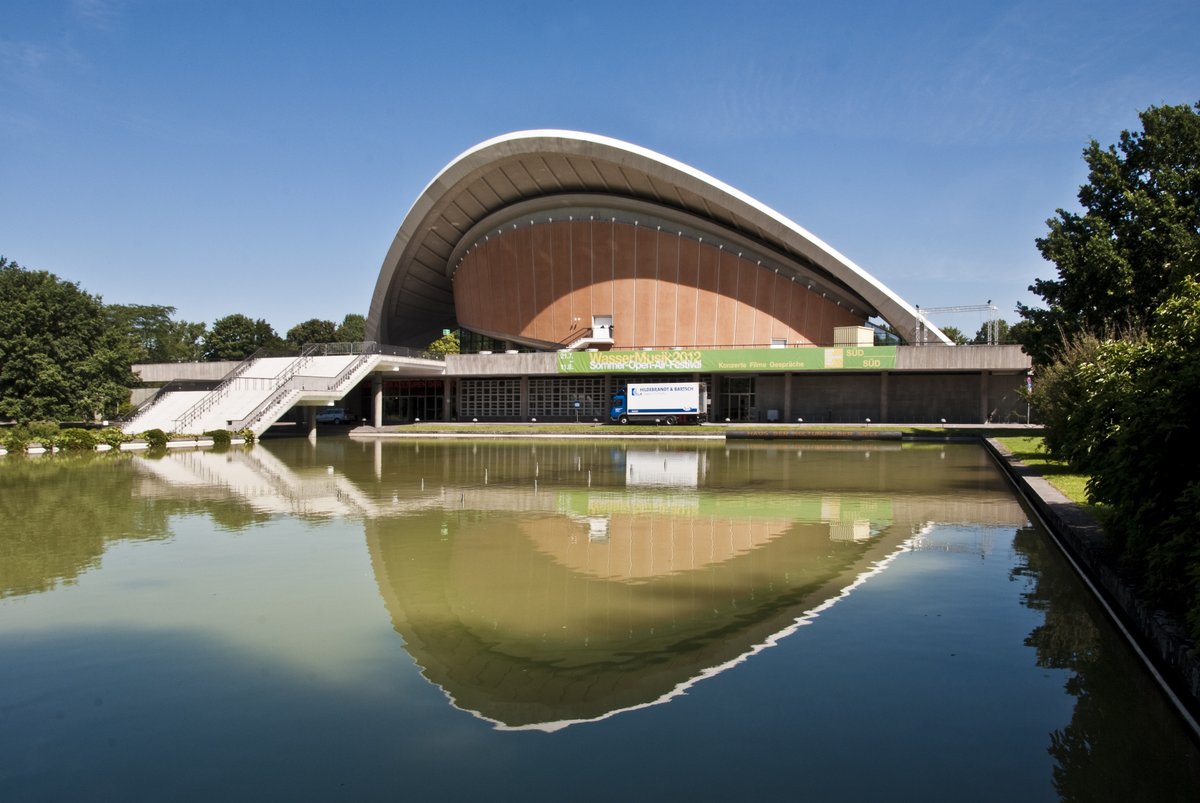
(543, 283)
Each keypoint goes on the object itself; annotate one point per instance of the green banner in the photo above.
(687, 503)
(854, 358)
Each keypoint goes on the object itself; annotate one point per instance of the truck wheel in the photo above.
(672, 421)
(624, 419)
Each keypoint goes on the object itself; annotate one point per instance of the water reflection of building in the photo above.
(540, 587)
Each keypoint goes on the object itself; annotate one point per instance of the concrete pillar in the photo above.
(883, 396)
(377, 400)
(787, 398)
(310, 417)
(524, 413)
(447, 399)
(984, 389)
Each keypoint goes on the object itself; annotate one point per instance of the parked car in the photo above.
(334, 415)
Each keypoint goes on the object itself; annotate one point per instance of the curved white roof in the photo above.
(413, 299)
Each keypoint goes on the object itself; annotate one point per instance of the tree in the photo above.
(155, 335)
(61, 355)
(955, 334)
(186, 341)
(1137, 239)
(446, 344)
(1117, 378)
(236, 337)
(352, 329)
(1122, 410)
(313, 330)
(1002, 332)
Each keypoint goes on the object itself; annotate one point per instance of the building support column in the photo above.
(787, 398)
(984, 384)
(310, 418)
(377, 400)
(524, 413)
(883, 396)
(447, 399)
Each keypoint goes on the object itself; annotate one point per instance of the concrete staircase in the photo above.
(259, 391)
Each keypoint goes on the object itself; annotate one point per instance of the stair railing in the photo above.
(296, 383)
(222, 389)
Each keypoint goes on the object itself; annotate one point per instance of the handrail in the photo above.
(295, 384)
(290, 378)
(207, 402)
(160, 393)
(585, 333)
(575, 334)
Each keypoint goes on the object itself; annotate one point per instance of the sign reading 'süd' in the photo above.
(812, 358)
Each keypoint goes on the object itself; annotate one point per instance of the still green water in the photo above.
(535, 620)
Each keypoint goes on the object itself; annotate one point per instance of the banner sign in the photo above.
(811, 358)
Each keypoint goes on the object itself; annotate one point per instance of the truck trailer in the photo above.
(662, 403)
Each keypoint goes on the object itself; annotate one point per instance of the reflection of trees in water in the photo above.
(60, 513)
(1115, 747)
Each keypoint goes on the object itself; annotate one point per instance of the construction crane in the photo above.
(993, 322)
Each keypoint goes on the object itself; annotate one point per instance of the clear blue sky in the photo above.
(258, 157)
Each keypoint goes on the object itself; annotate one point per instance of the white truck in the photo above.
(665, 403)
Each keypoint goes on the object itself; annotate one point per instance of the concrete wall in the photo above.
(501, 364)
(166, 371)
(841, 398)
(923, 398)
(962, 358)
(769, 395)
(1006, 405)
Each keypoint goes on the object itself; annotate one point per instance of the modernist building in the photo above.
(571, 263)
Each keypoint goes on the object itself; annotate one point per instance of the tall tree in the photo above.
(1138, 236)
(237, 336)
(955, 334)
(1118, 379)
(352, 328)
(61, 355)
(155, 335)
(313, 330)
(1002, 332)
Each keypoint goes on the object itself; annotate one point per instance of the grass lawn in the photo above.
(1030, 451)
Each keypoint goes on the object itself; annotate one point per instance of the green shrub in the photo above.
(20, 436)
(248, 434)
(44, 432)
(220, 437)
(156, 438)
(1123, 412)
(112, 436)
(14, 438)
(76, 440)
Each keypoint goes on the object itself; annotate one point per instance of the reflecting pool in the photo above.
(534, 619)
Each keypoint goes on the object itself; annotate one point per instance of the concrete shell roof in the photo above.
(413, 297)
